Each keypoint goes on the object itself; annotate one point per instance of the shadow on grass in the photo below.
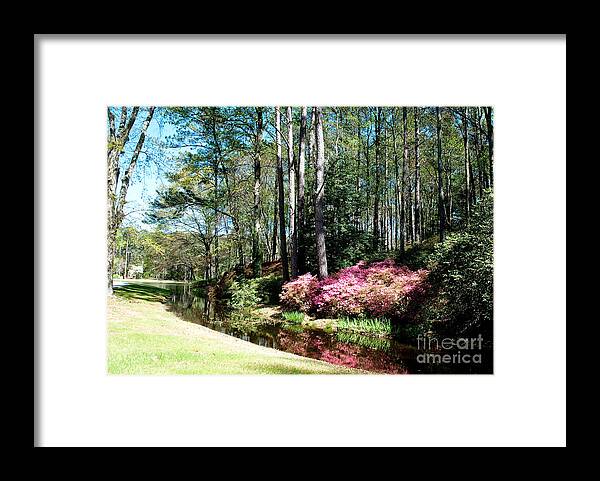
(142, 292)
(282, 368)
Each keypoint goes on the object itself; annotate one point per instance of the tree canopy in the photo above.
(331, 185)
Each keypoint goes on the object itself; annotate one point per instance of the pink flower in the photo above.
(379, 289)
(298, 294)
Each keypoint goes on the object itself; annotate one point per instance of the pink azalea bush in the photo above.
(298, 293)
(380, 289)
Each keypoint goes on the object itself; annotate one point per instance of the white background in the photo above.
(523, 403)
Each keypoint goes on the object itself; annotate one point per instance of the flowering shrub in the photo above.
(378, 289)
(298, 294)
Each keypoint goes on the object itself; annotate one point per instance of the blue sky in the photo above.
(149, 176)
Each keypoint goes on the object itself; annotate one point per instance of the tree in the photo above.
(419, 228)
(256, 250)
(117, 140)
(481, 174)
(441, 206)
(490, 137)
(377, 175)
(403, 182)
(397, 198)
(301, 261)
(320, 193)
(292, 194)
(465, 124)
(228, 187)
(282, 232)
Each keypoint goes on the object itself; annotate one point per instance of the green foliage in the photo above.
(346, 244)
(347, 247)
(462, 275)
(378, 325)
(411, 331)
(210, 189)
(269, 288)
(417, 256)
(295, 317)
(244, 293)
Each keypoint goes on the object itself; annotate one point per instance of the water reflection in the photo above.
(377, 355)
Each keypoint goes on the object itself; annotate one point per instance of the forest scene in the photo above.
(300, 239)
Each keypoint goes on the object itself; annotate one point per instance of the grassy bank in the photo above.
(150, 281)
(145, 338)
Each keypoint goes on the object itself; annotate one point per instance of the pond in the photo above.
(377, 355)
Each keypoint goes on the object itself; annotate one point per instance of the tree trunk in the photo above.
(216, 214)
(473, 191)
(396, 183)
(449, 199)
(216, 159)
(477, 137)
(256, 250)
(282, 239)
(367, 173)
(385, 228)
(116, 147)
(357, 179)
(410, 199)
(418, 226)
(377, 161)
(132, 164)
(292, 195)
(441, 202)
(467, 166)
(301, 261)
(403, 183)
(490, 138)
(320, 194)
(126, 270)
(275, 221)
(312, 148)
(110, 255)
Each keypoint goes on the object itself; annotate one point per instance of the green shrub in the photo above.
(417, 256)
(462, 275)
(410, 332)
(269, 288)
(244, 293)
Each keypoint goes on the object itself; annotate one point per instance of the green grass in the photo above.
(295, 317)
(380, 325)
(144, 338)
(143, 281)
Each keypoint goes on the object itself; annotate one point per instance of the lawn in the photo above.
(144, 338)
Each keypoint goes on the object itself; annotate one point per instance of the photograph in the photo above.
(300, 240)
(360, 237)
